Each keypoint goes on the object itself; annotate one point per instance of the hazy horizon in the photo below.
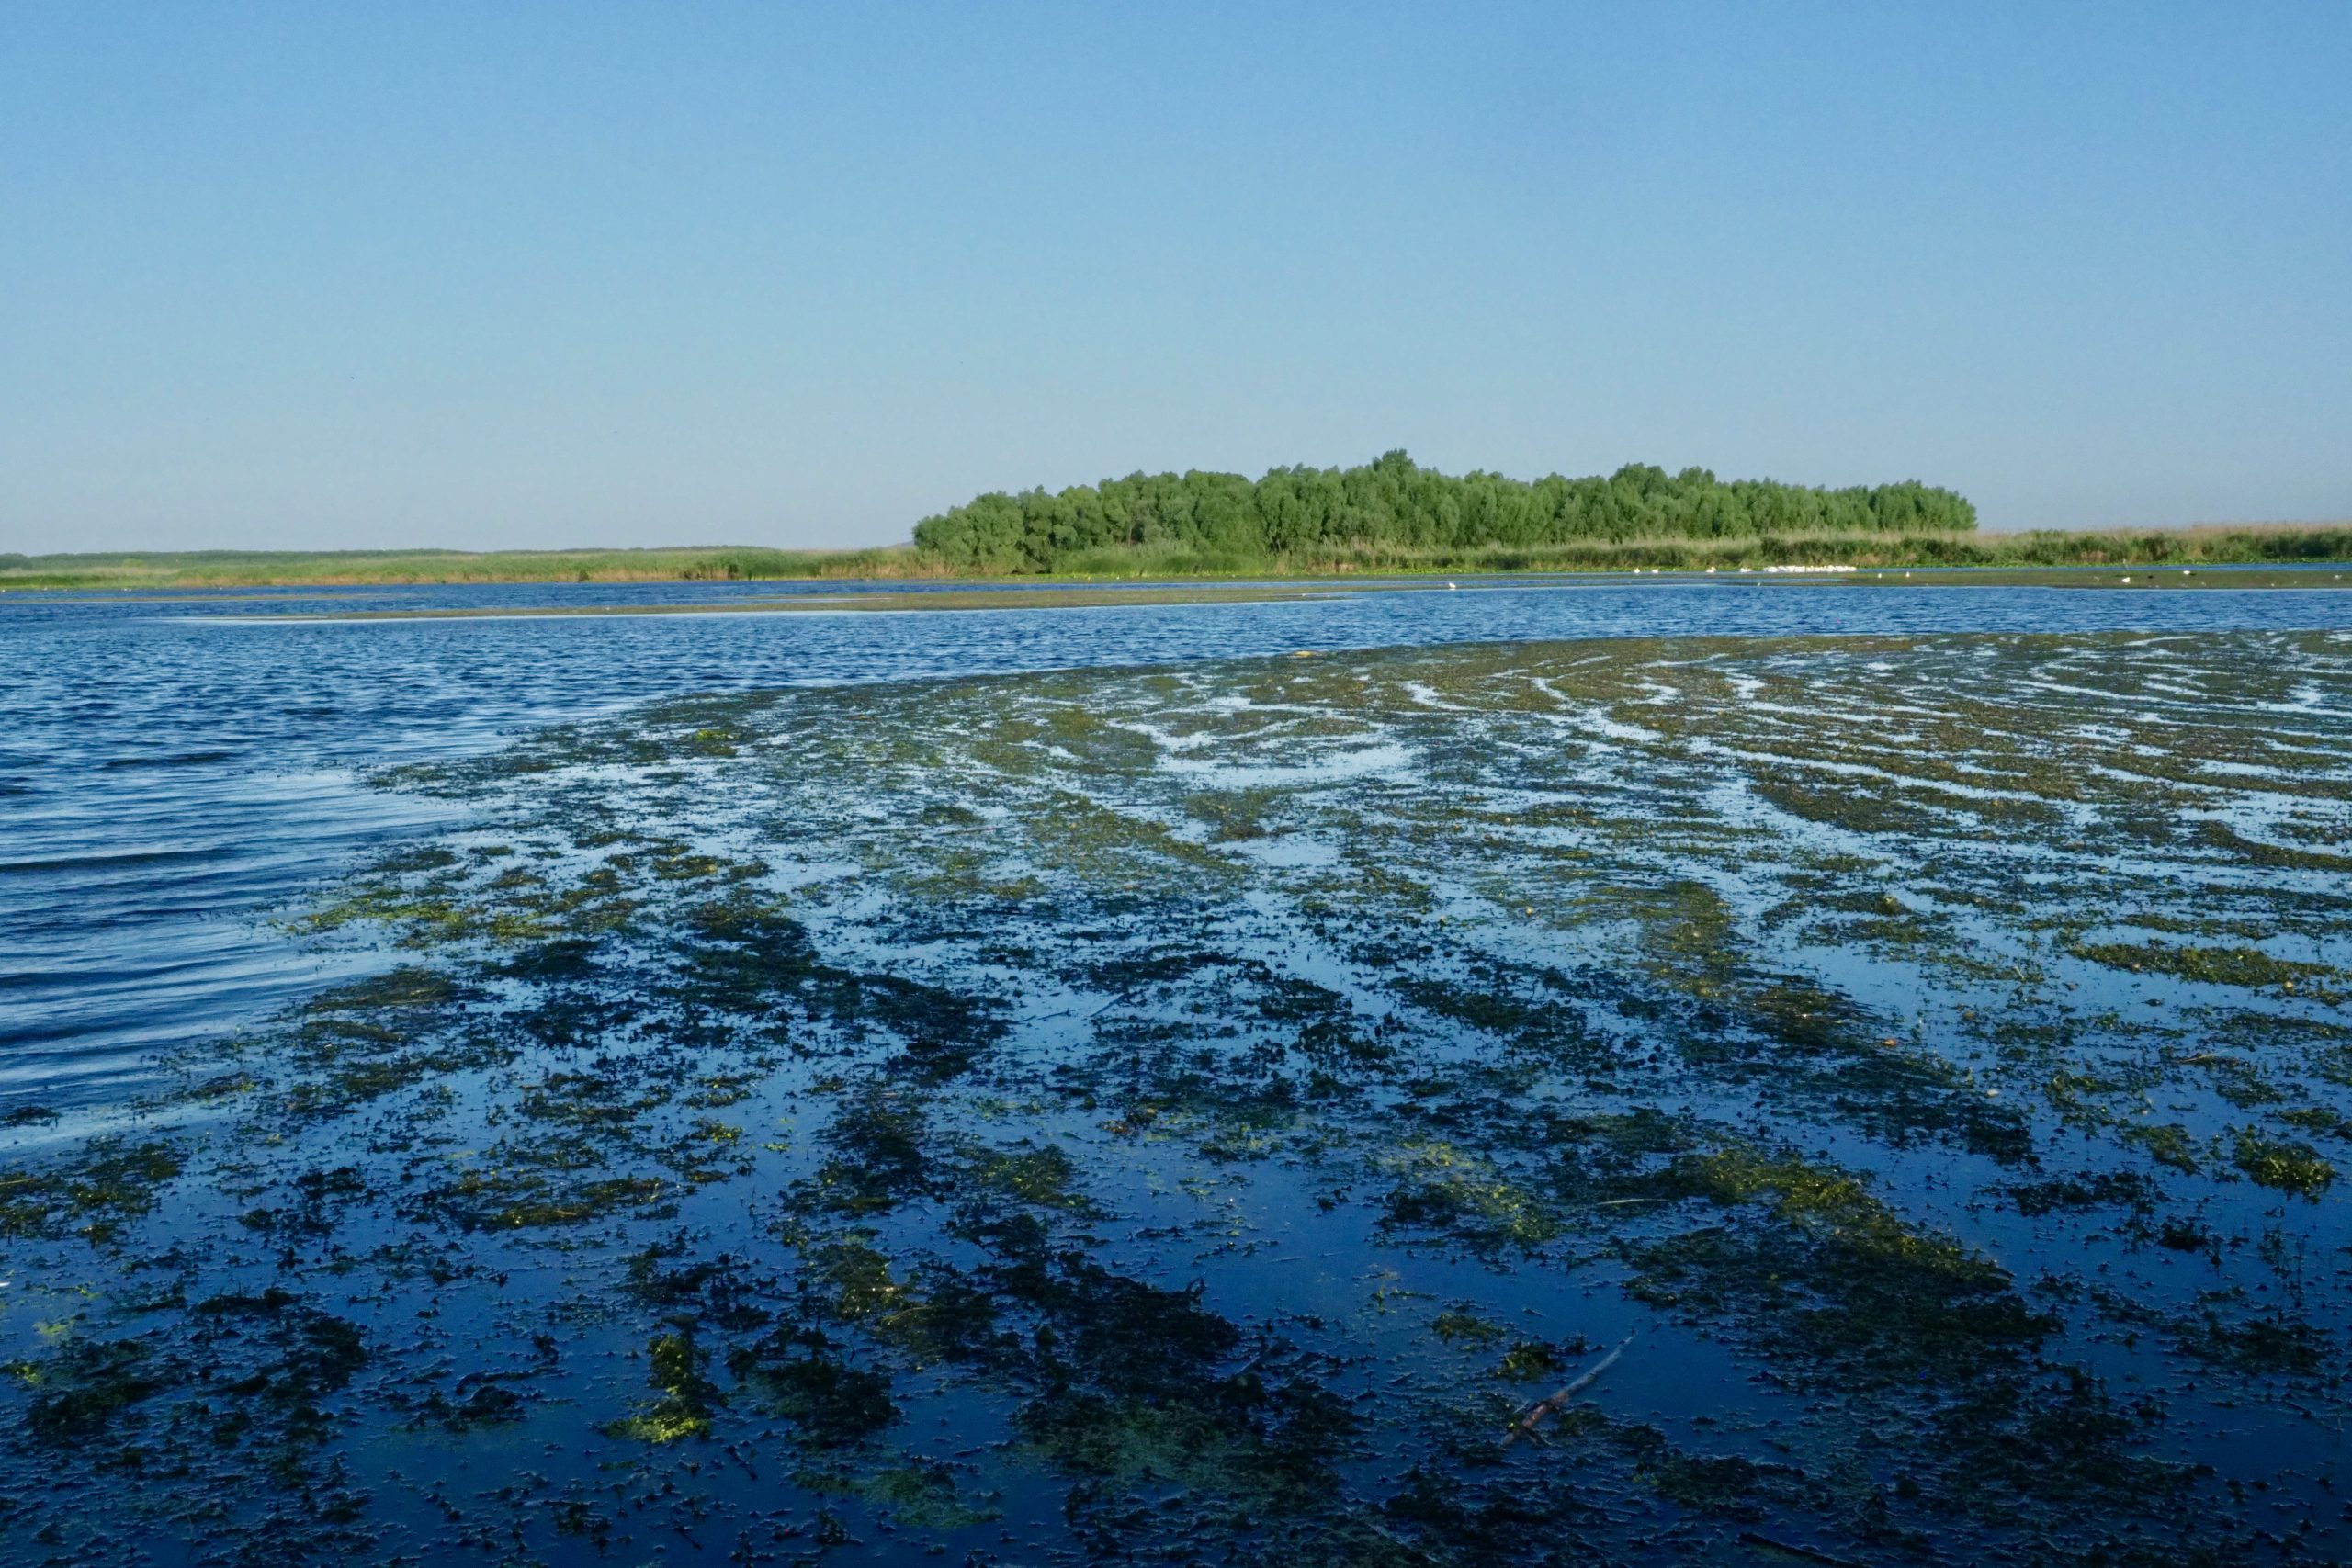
(284, 277)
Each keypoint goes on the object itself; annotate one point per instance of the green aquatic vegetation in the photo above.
(2318, 1118)
(239, 1392)
(1872, 922)
(946, 1317)
(721, 1293)
(722, 1089)
(404, 987)
(1531, 1360)
(2238, 1080)
(1619, 1142)
(441, 912)
(1111, 849)
(1116, 1333)
(95, 1191)
(305, 1354)
(686, 867)
(798, 1373)
(1693, 938)
(1232, 815)
(589, 1101)
(1043, 1176)
(384, 1069)
(746, 956)
(1715, 1486)
(1837, 802)
(1522, 1011)
(2185, 1235)
(2090, 1189)
(477, 1404)
(1817, 1044)
(1841, 1277)
(316, 1200)
(1246, 1448)
(2026, 1451)
(2270, 854)
(85, 1387)
(2327, 1047)
(1457, 1325)
(2247, 966)
(674, 1367)
(923, 1497)
(860, 1281)
(2166, 1142)
(2290, 1164)
(1159, 1103)
(2260, 1346)
(1443, 1188)
(713, 741)
(1135, 1390)
(527, 1199)
(880, 1159)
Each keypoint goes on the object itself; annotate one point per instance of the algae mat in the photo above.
(1831, 1100)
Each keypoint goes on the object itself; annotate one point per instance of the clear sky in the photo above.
(316, 276)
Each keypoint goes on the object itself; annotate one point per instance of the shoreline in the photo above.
(2275, 546)
(882, 595)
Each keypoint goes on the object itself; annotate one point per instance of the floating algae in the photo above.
(1176, 1115)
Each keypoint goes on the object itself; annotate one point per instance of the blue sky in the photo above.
(525, 275)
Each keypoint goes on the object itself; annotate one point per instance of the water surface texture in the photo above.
(175, 767)
(1262, 1092)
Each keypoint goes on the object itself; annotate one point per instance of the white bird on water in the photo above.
(1455, 586)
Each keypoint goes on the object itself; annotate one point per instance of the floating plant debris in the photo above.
(1816, 1099)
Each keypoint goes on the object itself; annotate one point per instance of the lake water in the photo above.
(1719, 1072)
(174, 768)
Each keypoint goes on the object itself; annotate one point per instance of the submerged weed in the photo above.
(1198, 1113)
(2288, 1165)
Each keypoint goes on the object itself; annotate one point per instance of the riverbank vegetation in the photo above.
(265, 568)
(1390, 516)
(2260, 544)
(2279, 544)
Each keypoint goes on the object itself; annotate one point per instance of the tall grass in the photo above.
(256, 568)
(2216, 545)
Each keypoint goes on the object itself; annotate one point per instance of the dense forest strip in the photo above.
(1395, 504)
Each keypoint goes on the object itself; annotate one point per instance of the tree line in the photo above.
(1394, 502)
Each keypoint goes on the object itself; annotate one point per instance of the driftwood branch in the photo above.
(1092, 1012)
(1526, 1425)
(1805, 1554)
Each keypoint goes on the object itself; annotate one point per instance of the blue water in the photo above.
(178, 770)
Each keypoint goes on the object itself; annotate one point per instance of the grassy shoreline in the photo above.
(2209, 545)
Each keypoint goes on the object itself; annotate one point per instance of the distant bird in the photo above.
(1455, 586)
